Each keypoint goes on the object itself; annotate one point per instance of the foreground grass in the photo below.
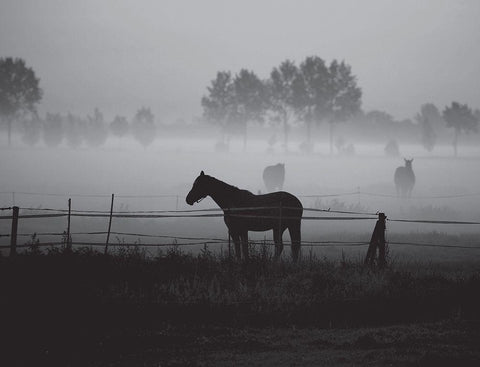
(60, 301)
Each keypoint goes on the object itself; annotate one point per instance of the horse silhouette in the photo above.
(244, 211)
(274, 176)
(405, 179)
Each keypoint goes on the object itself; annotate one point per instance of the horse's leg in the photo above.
(236, 241)
(295, 238)
(244, 240)
(277, 239)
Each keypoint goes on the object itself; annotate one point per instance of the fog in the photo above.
(116, 57)
(159, 177)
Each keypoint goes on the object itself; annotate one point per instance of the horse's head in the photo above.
(408, 162)
(199, 189)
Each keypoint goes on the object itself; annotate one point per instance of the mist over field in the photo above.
(158, 177)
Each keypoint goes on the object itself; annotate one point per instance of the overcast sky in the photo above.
(119, 55)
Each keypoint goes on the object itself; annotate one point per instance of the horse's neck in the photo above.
(222, 193)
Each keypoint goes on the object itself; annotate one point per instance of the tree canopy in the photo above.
(313, 92)
(19, 89)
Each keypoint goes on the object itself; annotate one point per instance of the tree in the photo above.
(75, 130)
(281, 94)
(310, 93)
(53, 129)
(346, 96)
(143, 126)
(250, 101)
(324, 93)
(218, 105)
(96, 132)
(19, 90)
(32, 130)
(119, 126)
(460, 118)
(428, 118)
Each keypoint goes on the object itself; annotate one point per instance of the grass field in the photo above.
(127, 309)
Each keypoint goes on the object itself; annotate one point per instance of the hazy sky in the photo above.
(119, 55)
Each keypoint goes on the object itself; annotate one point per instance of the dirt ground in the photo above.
(446, 343)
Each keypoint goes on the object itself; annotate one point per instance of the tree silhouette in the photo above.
(119, 126)
(461, 119)
(96, 132)
(250, 101)
(218, 105)
(32, 130)
(310, 93)
(428, 118)
(75, 130)
(345, 95)
(281, 94)
(143, 126)
(53, 129)
(19, 90)
(324, 93)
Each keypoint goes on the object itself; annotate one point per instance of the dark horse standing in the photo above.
(244, 211)
(404, 179)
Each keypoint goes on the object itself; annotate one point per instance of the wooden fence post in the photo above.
(13, 233)
(109, 225)
(377, 240)
(69, 241)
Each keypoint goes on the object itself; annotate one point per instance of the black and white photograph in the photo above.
(239, 183)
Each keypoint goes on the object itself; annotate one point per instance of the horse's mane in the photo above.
(229, 188)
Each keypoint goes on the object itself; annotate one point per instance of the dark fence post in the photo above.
(13, 233)
(377, 240)
(109, 225)
(69, 240)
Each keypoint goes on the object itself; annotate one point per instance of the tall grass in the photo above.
(313, 290)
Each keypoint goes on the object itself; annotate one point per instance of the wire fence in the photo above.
(335, 215)
(156, 196)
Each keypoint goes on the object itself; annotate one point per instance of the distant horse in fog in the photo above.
(405, 179)
(244, 211)
(274, 176)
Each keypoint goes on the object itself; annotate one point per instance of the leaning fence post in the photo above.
(13, 234)
(69, 240)
(377, 240)
(109, 225)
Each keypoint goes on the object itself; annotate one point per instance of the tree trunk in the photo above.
(9, 129)
(245, 136)
(309, 130)
(285, 133)
(331, 138)
(455, 141)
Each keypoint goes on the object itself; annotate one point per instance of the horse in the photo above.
(245, 211)
(404, 179)
(274, 176)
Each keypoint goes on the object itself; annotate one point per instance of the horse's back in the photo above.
(279, 198)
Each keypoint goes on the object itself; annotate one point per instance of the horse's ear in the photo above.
(202, 173)
(405, 159)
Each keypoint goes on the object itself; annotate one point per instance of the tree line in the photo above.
(92, 130)
(310, 93)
